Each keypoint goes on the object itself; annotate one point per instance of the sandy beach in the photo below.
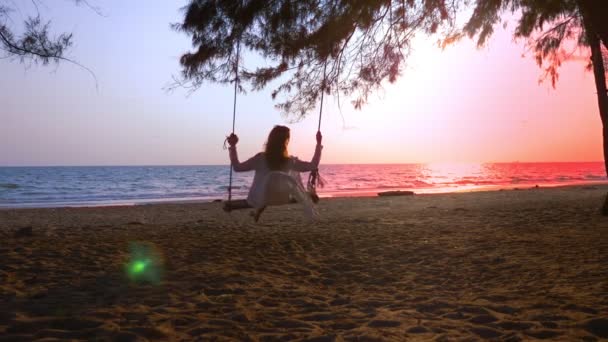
(507, 265)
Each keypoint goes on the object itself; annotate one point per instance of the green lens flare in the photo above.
(145, 264)
(138, 266)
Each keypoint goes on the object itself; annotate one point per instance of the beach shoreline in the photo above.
(507, 265)
(325, 195)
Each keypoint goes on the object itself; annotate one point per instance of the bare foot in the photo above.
(256, 215)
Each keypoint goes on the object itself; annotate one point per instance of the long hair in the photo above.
(276, 147)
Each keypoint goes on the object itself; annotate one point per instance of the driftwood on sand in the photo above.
(396, 193)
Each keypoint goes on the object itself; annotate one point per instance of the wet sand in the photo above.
(505, 265)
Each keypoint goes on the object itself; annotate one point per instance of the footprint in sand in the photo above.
(320, 317)
(326, 338)
(417, 330)
(598, 327)
(486, 333)
(455, 316)
(148, 333)
(504, 309)
(344, 326)
(550, 325)
(380, 323)
(579, 308)
(544, 334)
(483, 319)
(28, 326)
(510, 325)
(291, 324)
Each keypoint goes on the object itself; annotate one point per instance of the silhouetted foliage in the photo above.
(35, 43)
(554, 29)
(338, 46)
(351, 46)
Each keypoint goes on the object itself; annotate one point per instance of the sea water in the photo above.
(117, 185)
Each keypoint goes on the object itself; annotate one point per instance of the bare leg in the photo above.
(258, 213)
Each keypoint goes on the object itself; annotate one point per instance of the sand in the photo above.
(505, 265)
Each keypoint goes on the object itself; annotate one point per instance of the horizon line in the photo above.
(328, 164)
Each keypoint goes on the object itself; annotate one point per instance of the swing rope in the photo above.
(236, 84)
(314, 178)
(322, 93)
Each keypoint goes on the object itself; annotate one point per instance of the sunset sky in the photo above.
(458, 105)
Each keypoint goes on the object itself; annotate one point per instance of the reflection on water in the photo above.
(56, 186)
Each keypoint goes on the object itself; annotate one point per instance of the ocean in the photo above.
(22, 187)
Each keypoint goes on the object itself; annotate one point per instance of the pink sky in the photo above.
(470, 105)
(457, 105)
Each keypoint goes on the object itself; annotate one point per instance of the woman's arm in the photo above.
(313, 164)
(237, 166)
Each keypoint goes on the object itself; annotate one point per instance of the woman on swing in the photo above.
(276, 178)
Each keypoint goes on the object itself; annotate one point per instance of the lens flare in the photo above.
(138, 266)
(145, 263)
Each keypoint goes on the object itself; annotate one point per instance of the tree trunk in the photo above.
(596, 14)
(587, 8)
(602, 97)
(602, 93)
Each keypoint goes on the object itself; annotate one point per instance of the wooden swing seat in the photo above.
(243, 204)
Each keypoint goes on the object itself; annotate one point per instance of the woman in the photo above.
(276, 178)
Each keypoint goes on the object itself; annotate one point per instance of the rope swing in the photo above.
(314, 178)
(236, 85)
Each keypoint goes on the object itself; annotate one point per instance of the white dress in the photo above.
(275, 187)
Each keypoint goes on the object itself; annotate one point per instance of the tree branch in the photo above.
(23, 52)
